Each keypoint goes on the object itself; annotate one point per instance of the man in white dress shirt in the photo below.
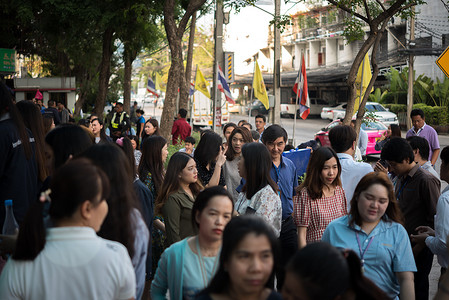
(343, 141)
(435, 240)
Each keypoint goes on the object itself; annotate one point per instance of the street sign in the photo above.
(443, 62)
(7, 60)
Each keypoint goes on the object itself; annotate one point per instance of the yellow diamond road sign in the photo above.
(443, 62)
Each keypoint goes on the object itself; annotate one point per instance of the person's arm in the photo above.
(407, 285)
(159, 225)
(435, 154)
(269, 208)
(139, 134)
(302, 233)
(172, 213)
(159, 285)
(430, 193)
(443, 288)
(174, 129)
(215, 179)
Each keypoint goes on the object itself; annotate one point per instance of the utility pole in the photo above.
(275, 112)
(410, 70)
(218, 38)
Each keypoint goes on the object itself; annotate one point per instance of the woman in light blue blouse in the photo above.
(186, 267)
(373, 230)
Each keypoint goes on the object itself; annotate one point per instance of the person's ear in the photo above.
(354, 145)
(197, 217)
(86, 210)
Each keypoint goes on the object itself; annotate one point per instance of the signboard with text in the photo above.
(7, 60)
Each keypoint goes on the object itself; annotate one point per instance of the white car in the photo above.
(381, 113)
(329, 112)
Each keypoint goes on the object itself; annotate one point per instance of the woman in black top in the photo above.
(209, 157)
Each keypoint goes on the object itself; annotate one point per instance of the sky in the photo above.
(247, 31)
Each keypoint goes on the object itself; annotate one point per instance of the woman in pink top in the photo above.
(320, 198)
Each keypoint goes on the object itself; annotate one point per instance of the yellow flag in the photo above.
(260, 92)
(201, 84)
(364, 69)
(157, 83)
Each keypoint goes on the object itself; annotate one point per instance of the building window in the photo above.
(341, 47)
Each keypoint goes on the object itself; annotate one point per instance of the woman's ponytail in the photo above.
(31, 238)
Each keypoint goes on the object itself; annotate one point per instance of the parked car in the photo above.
(381, 113)
(328, 112)
(374, 130)
(316, 105)
(257, 108)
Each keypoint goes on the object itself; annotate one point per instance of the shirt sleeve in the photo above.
(429, 194)
(140, 253)
(433, 142)
(437, 243)
(270, 209)
(128, 280)
(159, 285)
(174, 129)
(172, 213)
(10, 288)
(301, 209)
(403, 260)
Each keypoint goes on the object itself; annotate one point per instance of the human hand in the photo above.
(419, 238)
(425, 229)
(221, 158)
(380, 168)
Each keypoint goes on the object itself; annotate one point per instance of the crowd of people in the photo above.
(105, 212)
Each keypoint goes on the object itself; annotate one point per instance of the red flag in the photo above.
(300, 88)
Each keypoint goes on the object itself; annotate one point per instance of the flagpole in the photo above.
(296, 105)
(191, 97)
(252, 92)
(361, 81)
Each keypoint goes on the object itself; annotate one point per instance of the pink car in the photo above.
(373, 129)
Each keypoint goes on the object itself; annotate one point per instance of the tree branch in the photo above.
(192, 7)
(381, 5)
(348, 10)
(368, 15)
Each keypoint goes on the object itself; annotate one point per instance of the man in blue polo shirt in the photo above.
(283, 172)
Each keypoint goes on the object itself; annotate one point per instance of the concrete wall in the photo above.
(331, 52)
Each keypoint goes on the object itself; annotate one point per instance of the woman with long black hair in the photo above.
(259, 194)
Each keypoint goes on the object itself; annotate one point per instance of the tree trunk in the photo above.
(105, 67)
(176, 73)
(184, 99)
(128, 58)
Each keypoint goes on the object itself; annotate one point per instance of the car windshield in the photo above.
(373, 126)
(255, 102)
(374, 107)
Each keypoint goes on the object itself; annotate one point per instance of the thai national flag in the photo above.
(192, 89)
(300, 88)
(223, 86)
(151, 87)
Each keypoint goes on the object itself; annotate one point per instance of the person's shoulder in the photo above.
(274, 296)
(288, 162)
(113, 247)
(177, 247)
(430, 129)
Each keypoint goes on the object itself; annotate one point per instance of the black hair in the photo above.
(182, 112)
(84, 122)
(7, 106)
(227, 125)
(257, 168)
(397, 150)
(72, 184)
(342, 137)
(119, 223)
(255, 135)
(261, 117)
(326, 273)
(208, 148)
(32, 118)
(420, 143)
(66, 140)
(127, 148)
(51, 102)
(444, 155)
(103, 136)
(289, 147)
(417, 112)
(47, 121)
(190, 139)
(395, 130)
(246, 136)
(203, 198)
(151, 160)
(246, 123)
(274, 132)
(235, 231)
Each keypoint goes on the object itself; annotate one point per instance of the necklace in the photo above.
(202, 266)
(362, 253)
